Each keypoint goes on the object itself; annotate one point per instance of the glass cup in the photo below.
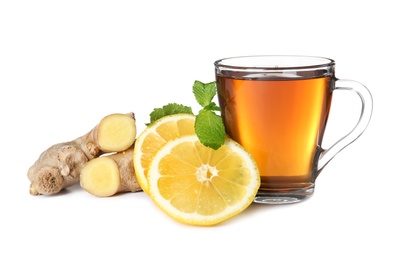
(277, 108)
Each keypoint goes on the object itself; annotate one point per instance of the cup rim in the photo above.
(274, 62)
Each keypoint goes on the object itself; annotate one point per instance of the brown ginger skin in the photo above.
(59, 166)
(124, 160)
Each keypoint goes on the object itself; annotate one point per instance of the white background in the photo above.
(66, 64)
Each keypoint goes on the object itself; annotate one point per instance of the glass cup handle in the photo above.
(367, 107)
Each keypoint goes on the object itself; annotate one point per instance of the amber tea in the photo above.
(277, 108)
(280, 122)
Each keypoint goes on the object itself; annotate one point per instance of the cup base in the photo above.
(275, 198)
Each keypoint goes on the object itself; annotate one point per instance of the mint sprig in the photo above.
(209, 126)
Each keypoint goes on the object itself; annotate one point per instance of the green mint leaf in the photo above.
(210, 129)
(209, 126)
(169, 109)
(212, 106)
(204, 93)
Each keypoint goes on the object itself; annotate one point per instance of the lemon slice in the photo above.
(153, 137)
(197, 185)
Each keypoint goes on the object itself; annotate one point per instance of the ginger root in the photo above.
(108, 175)
(116, 132)
(59, 166)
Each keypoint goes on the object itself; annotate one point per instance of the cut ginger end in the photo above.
(100, 177)
(117, 132)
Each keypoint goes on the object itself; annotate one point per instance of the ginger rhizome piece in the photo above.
(116, 132)
(108, 175)
(59, 166)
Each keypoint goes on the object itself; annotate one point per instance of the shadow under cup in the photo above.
(277, 108)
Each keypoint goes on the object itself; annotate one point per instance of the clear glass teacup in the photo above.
(277, 107)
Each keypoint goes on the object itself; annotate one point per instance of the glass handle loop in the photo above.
(367, 107)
